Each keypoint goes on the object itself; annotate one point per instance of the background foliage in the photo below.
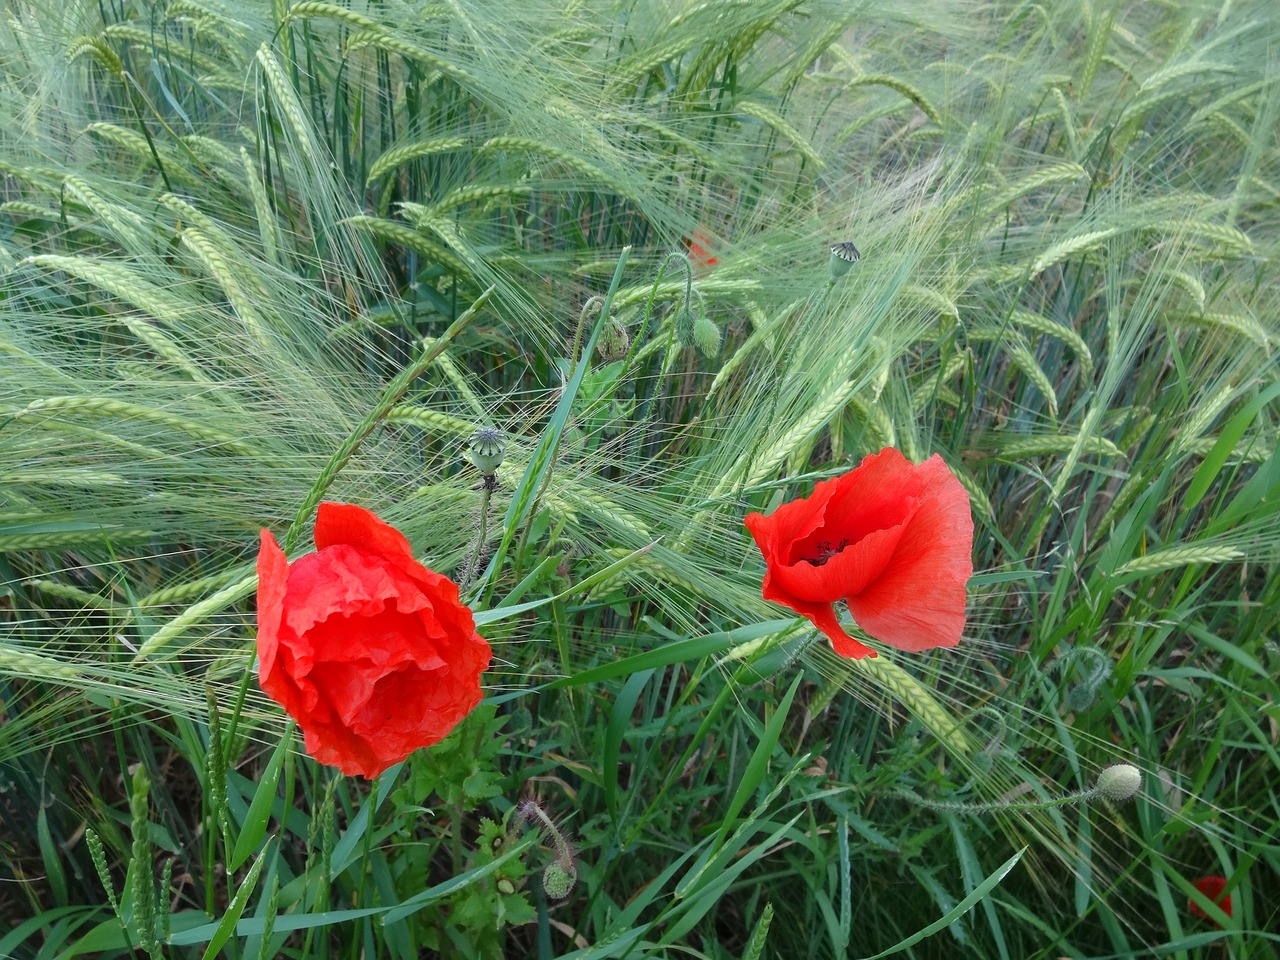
(234, 240)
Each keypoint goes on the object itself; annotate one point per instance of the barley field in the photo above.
(733, 479)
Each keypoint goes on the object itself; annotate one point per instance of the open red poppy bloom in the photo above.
(372, 653)
(1211, 887)
(700, 251)
(890, 537)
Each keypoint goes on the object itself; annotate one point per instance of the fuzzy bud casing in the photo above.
(557, 881)
(707, 336)
(684, 326)
(1119, 782)
(614, 342)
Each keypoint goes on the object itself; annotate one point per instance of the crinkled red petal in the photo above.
(792, 522)
(846, 573)
(273, 575)
(880, 493)
(893, 538)
(372, 653)
(346, 581)
(357, 527)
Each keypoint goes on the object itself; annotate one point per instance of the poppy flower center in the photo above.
(824, 551)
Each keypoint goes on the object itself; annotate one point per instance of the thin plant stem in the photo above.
(473, 564)
(390, 397)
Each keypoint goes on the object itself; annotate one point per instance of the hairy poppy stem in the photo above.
(1115, 783)
(559, 876)
(473, 564)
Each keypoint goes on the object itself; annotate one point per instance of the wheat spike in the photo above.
(1174, 557)
(104, 407)
(399, 156)
(913, 695)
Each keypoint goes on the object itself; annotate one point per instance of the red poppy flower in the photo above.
(371, 652)
(700, 251)
(890, 537)
(1212, 888)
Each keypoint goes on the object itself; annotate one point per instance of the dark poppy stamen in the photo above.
(825, 552)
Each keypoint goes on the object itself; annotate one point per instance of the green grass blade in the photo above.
(619, 723)
(960, 909)
(255, 823)
(1223, 447)
(758, 766)
(227, 925)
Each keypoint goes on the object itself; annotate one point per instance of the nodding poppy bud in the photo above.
(488, 448)
(684, 327)
(1119, 782)
(614, 341)
(707, 336)
(557, 881)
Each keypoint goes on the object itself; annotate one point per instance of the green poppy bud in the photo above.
(707, 336)
(684, 324)
(614, 342)
(1119, 782)
(557, 881)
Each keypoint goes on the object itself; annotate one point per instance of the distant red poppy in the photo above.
(372, 653)
(890, 537)
(700, 250)
(1212, 887)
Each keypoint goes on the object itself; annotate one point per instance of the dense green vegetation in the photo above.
(255, 255)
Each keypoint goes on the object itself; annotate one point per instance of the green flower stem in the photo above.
(1117, 783)
(473, 564)
(996, 806)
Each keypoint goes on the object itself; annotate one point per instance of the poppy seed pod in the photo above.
(488, 448)
(843, 257)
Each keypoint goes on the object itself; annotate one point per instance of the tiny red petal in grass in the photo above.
(891, 538)
(1212, 887)
(372, 653)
